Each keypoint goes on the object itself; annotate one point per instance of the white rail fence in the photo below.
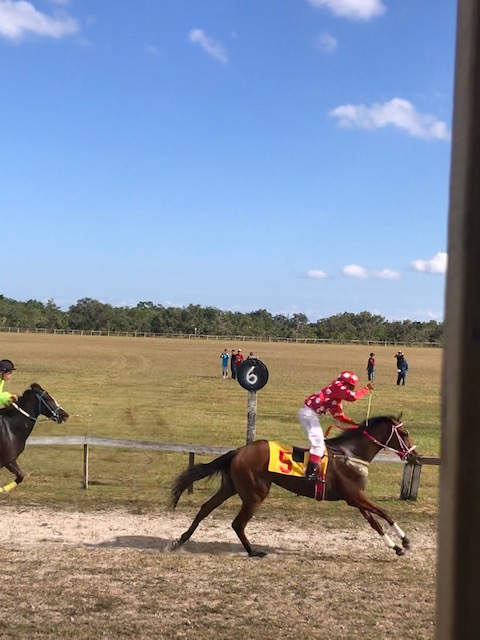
(410, 478)
(201, 336)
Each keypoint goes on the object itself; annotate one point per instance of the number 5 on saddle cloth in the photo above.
(290, 460)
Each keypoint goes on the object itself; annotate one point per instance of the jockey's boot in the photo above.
(311, 472)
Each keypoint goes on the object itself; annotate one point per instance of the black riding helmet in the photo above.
(7, 365)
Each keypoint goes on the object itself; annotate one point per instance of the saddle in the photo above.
(289, 460)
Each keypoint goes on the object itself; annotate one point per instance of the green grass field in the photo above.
(172, 390)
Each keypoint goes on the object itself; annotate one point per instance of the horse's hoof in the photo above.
(399, 551)
(258, 554)
(406, 543)
(174, 545)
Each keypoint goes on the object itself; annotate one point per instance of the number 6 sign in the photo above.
(252, 374)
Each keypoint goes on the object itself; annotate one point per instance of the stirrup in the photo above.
(311, 472)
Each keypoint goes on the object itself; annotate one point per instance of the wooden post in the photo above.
(459, 516)
(406, 481)
(191, 462)
(251, 416)
(85, 466)
(417, 470)
(411, 480)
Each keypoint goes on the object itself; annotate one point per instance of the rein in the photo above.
(404, 449)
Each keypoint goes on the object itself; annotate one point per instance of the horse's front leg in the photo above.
(400, 551)
(17, 472)
(395, 529)
(368, 510)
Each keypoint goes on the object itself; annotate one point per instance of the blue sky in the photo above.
(288, 155)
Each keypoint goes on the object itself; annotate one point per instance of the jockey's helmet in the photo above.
(6, 365)
(348, 377)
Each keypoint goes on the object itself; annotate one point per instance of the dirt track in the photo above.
(109, 575)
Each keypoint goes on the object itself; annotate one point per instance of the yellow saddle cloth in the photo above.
(292, 461)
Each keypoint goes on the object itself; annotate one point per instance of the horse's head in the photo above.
(389, 433)
(47, 405)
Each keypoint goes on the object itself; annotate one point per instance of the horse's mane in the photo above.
(363, 426)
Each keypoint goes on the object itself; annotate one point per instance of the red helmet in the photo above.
(348, 377)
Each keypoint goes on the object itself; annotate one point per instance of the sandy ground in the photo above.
(44, 527)
(110, 575)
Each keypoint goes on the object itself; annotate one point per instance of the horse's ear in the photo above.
(36, 387)
(399, 417)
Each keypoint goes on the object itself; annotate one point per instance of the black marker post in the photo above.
(252, 375)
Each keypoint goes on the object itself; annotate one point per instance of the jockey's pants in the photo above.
(308, 418)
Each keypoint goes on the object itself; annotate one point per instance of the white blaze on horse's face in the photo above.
(57, 413)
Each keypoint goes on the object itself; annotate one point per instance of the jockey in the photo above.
(327, 400)
(6, 369)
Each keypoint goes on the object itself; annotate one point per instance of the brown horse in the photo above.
(245, 472)
(17, 422)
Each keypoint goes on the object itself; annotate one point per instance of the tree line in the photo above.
(88, 314)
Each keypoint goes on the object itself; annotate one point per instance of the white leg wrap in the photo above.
(397, 531)
(388, 541)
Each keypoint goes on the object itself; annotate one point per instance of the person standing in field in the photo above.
(239, 358)
(233, 365)
(6, 369)
(371, 368)
(224, 357)
(328, 400)
(402, 368)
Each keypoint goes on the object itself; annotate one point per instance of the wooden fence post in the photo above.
(85, 466)
(191, 462)
(411, 480)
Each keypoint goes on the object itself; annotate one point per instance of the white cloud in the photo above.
(316, 274)
(437, 264)
(210, 46)
(355, 271)
(326, 42)
(398, 113)
(385, 274)
(354, 9)
(18, 19)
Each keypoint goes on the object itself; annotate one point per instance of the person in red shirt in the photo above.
(371, 368)
(239, 358)
(327, 400)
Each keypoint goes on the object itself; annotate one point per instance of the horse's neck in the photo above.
(28, 419)
(16, 424)
(358, 446)
(29, 404)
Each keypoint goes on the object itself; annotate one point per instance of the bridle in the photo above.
(54, 413)
(404, 450)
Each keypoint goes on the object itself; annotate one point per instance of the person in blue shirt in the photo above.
(402, 368)
(225, 356)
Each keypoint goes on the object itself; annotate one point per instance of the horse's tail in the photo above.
(198, 471)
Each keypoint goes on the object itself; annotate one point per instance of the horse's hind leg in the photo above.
(243, 518)
(253, 493)
(225, 492)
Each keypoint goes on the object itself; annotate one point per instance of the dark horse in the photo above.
(245, 472)
(17, 422)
